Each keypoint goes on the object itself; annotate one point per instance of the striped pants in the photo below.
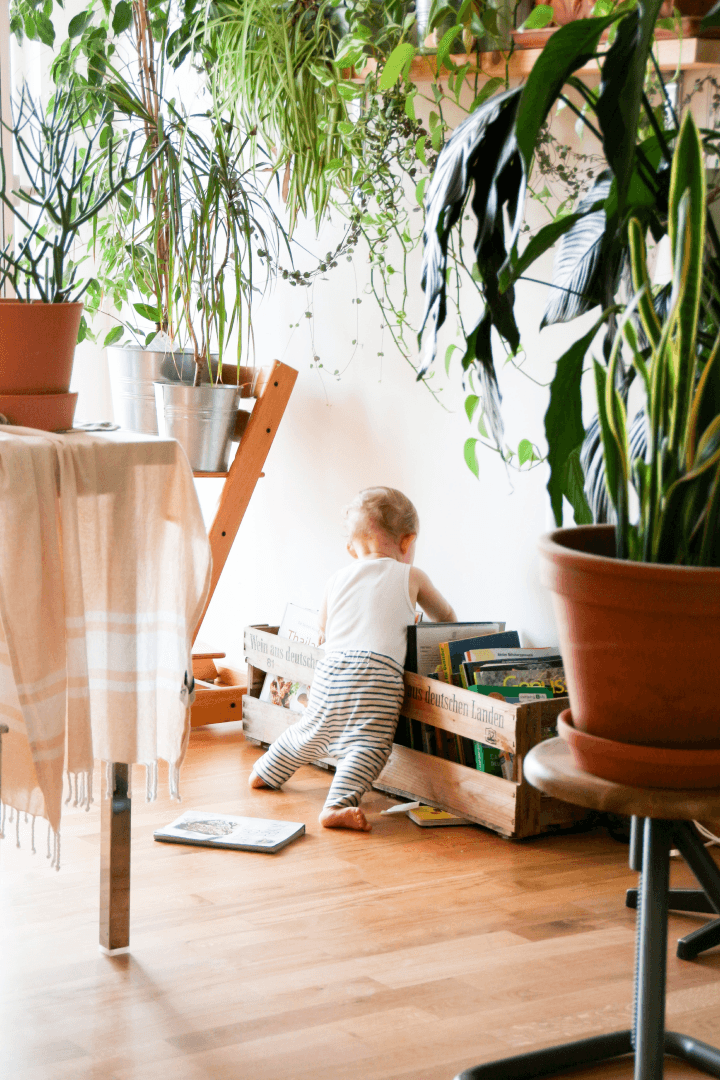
(351, 715)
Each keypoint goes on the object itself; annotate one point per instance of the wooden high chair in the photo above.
(218, 695)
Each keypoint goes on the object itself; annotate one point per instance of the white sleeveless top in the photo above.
(369, 609)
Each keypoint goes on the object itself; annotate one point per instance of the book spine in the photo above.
(445, 670)
(411, 654)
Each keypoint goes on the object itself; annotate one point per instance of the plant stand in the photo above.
(705, 900)
(667, 819)
(219, 704)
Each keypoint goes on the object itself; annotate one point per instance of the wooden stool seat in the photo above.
(666, 818)
(551, 769)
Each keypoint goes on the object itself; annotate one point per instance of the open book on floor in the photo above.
(228, 831)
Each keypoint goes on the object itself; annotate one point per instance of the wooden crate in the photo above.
(510, 807)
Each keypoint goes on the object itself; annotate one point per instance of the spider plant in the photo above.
(185, 234)
(276, 65)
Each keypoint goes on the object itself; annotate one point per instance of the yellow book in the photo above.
(430, 815)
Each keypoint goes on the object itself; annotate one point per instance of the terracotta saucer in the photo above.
(640, 766)
(48, 412)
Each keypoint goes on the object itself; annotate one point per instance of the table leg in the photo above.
(115, 863)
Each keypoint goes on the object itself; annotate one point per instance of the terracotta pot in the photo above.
(37, 346)
(566, 11)
(48, 412)
(640, 766)
(640, 641)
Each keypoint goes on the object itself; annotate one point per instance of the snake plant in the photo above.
(677, 479)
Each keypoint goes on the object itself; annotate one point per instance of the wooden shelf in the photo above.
(690, 54)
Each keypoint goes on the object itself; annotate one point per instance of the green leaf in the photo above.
(471, 403)
(525, 451)
(410, 106)
(78, 23)
(400, 58)
(540, 17)
(568, 49)
(621, 89)
(687, 238)
(114, 335)
(470, 455)
(122, 17)
(564, 429)
(481, 426)
(420, 150)
(537, 245)
(446, 42)
(420, 191)
(349, 91)
(345, 127)
(147, 312)
(448, 356)
(45, 29)
(487, 91)
(574, 488)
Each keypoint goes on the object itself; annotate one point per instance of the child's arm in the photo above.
(423, 592)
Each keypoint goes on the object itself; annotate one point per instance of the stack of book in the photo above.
(486, 659)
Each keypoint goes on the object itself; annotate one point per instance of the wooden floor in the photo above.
(403, 954)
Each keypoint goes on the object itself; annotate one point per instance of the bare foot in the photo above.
(345, 817)
(256, 781)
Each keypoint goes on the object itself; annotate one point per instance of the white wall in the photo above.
(377, 425)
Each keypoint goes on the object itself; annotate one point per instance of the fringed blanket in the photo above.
(104, 571)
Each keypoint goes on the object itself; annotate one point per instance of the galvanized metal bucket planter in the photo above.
(202, 419)
(133, 373)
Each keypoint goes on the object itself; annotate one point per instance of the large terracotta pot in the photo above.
(640, 642)
(37, 346)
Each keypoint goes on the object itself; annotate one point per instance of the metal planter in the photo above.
(133, 373)
(202, 419)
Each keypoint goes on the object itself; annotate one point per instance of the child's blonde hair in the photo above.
(381, 509)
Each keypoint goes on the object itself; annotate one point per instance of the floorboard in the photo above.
(402, 954)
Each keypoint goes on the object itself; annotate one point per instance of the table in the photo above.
(98, 607)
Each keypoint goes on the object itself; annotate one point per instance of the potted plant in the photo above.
(176, 247)
(189, 237)
(58, 153)
(664, 339)
(491, 160)
(638, 604)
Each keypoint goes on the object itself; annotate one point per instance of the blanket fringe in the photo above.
(10, 816)
(79, 789)
(151, 781)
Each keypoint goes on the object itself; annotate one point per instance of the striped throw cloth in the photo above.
(104, 571)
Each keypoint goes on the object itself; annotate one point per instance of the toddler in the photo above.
(358, 690)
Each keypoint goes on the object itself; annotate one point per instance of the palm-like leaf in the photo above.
(576, 280)
(460, 165)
